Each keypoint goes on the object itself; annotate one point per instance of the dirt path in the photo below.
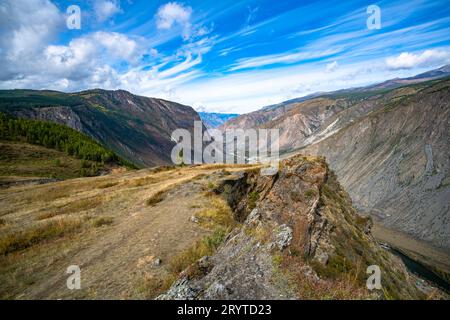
(126, 253)
(114, 259)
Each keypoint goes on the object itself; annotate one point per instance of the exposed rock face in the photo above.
(395, 165)
(62, 115)
(389, 149)
(300, 238)
(254, 119)
(137, 128)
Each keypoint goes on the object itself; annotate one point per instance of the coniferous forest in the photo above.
(56, 136)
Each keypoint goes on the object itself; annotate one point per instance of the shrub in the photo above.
(108, 185)
(205, 247)
(252, 199)
(218, 214)
(154, 286)
(156, 198)
(102, 221)
(310, 193)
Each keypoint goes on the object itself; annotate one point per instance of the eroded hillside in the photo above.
(394, 161)
(210, 231)
(300, 238)
(388, 147)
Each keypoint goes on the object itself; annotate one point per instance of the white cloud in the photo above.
(85, 62)
(105, 9)
(249, 90)
(25, 29)
(427, 58)
(30, 59)
(120, 46)
(108, 60)
(172, 14)
(185, 65)
(282, 58)
(331, 67)
(85, 54)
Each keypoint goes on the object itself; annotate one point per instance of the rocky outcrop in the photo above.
(394, 162)
(299, 238)
(389, 148)
(61, 115)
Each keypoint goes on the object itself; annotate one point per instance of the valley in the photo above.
(224, 151)
(435, 260)
(162, 233)
(72, 194)
(389, 149)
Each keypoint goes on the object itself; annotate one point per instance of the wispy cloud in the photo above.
(280, 58)
(331, 67)
(224, 56)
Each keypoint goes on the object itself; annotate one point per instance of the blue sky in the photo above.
(221, 56)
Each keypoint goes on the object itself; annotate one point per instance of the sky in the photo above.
(218, 56)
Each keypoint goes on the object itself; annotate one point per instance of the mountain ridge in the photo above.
(262, 115)
(213, 120)
(137, 128)
(405, 194)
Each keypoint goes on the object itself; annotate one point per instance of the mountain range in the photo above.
(212, 120)
(388, 144)
(351, 156)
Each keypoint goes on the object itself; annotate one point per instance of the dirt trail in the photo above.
(114, 259)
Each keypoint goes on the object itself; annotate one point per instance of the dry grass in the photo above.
(156, 198)
(52, 194)
(153, 286)
(102, 221)
(219, 214)
(15, 241)
(73, 207)
(258, 232)
(186, 260)
(108, 185)
(345, 287)
(217, 218)
(341, 289)
(40, 223)
(143, 181)
(204, 247)
(226, 166)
